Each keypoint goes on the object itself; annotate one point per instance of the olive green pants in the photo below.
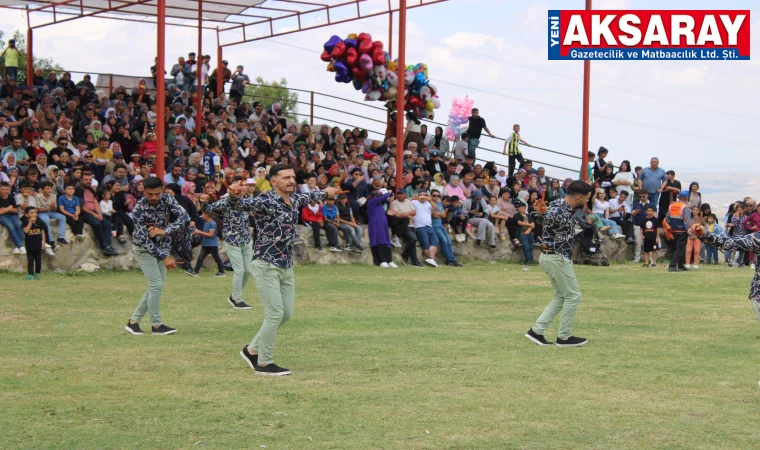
(277, 291)
(567, 295)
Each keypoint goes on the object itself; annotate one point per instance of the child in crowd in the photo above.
(209, 246)
(650, 235)
(69, 206)
(713, 227)
(736, 225)
(526, 224)
(693, 244)
(496, 217)
(457, 218)
(34, 242)
(106, 206)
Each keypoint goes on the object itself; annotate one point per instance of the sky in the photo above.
(698, 117)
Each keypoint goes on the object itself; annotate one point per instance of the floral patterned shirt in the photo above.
(559, 228)
(236, 230)
(146, 215)
(747, 243)
(275, 223)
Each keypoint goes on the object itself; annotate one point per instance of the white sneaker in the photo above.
(384, 265)
(431, 262)
(687, 266)
(49, 252)
(696, 266)
(17, 251)
(618, 236)
(392, 265)
(753, 266)
(396, 242)
(23, 250)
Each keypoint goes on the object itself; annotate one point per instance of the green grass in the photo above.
(385, 359)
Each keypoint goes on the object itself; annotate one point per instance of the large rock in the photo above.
(84, 254)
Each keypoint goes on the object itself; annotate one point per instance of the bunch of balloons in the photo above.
(461, 110)
(364, 63)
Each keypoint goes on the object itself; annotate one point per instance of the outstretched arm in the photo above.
(750, 242)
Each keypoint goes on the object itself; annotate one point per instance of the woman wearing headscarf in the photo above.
(262, 184)
(441, 143)
(120, 212)
(182, 238)
(453, 189)
(377, 223)
(413, 188)
(68, 86)
(135, 193)
(438, 184)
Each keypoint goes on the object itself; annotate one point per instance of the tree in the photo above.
(271, 92)
(46, 64)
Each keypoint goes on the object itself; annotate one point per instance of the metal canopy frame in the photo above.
(227, 17)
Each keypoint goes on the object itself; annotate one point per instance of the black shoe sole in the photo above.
(247, 361)
(269, 374)
(536, 341)
(133, 332)
(235, 306)
(573, 345)
(165, 333)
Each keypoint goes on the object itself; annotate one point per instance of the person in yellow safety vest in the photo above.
(679, 220)
(513, 145)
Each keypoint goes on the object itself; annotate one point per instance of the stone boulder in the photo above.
(84, 253)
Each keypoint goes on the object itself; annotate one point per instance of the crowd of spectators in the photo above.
(78, 156)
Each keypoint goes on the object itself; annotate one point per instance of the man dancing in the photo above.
(237, 242)
(151, 246)
(276, 216)
(556, 261)
(747, 243)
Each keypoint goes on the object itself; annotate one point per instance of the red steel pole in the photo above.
(198, 71)
(400, 95)
(390, 34)
(586, 93)
(160, 88)
(219, 70)
(29, 59)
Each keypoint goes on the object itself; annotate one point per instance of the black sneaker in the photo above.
(572, 341)
(272, 370)
(240, 305)
(63, 241)
(417, 264)
(358, 249)
(477, 242)
(675, 269)
(109, 251)
(537, 338)
(405, 260)
(162, 330)
(251, 360)
(645, 265)
(134, 329)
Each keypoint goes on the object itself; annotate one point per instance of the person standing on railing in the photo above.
(475, 128)
(512, 147)
(12, 57)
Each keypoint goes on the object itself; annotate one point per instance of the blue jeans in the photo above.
(45, 216)
(13, 224)
(472, 146)
(527, 241)
(654, 198)
(445, 241)
(711, 253)
(12, 72)
(609, 223)
(427, 237)
(351, 234)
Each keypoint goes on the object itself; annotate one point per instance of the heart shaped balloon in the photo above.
(373, 95)
(357, 83)
(392, 66)
(331, 67)
(342, 73)
(364, 37)
(366, 87)
(378, 57)
(352, 57)
(339, 51)
(351, 43)
(409, 77)
(377, 45)
(325, 56)
(365, 63)
(365, 46)
(425, 93)
(436, 102)
(381, 72)
(359, 74)
(331, 43)
(416, 102)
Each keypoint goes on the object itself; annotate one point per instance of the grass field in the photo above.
(385, 359)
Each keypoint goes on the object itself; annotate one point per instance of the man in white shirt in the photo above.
(620, 213)
(400, 217)
(423, 226)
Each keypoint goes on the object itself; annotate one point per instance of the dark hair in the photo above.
(356, 169)
(603, 151)
(103, 139)
(212, 142)
(120, 166)
(670, 172)
(45, 184)
(4, 184)
(591, 155)
(579, 188)
(152, 183)
(24, 184)
(277, 168)
(29, 208)
(650, 207)
(627, 165)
